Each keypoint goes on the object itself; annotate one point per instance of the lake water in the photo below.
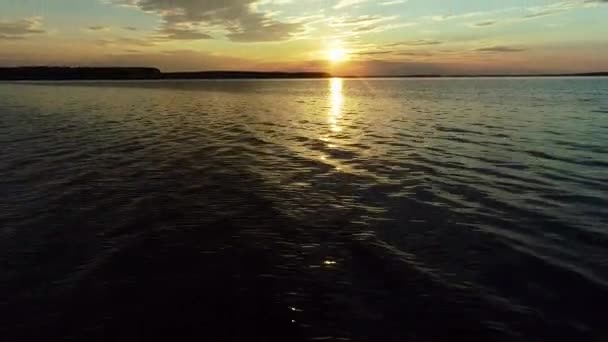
(365, 210)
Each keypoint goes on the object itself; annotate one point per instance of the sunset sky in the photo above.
(339, 36)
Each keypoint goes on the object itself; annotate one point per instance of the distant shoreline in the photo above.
(142, 73)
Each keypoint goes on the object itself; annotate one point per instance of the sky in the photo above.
(344, 37)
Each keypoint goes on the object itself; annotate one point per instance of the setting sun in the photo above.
(337, 55)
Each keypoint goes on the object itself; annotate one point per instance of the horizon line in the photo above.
(43, 72)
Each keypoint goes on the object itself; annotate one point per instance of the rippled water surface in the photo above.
(378, 209)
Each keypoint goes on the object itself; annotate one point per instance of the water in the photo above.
(365, 210)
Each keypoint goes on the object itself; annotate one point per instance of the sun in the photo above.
(337, 55)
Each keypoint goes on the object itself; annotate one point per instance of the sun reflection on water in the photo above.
(333, 139)
(337, 100)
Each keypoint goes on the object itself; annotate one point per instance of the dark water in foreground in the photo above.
(364, 210)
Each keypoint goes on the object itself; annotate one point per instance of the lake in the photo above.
(337, 209)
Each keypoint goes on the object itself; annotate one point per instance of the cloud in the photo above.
(501, 48)
(415, 54)
(125, 41)
(239, 19)
(347, 3)
(540, 14)
(181, 33)
(354, 25)
(552, 9)
(98, 28)
(520, 14)
(456, 16)
(485, 23)
(374, 53)
(560, 7)
(21, 29)
(393, 2)
(264, 31)
(419, 42)
(349, 21)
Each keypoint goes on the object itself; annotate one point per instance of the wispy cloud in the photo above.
(373, 53)
(181, 32)
(445, 17)
(347, 3)
(351, 25)
(419, 42)
(520, 14)
(393, 2)
(21, 29)
(561, 7)
(501, 48)
(485, 23)
(98, 28)
(239, 19)
(126, 42)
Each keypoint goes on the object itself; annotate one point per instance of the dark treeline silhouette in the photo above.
(83, 73)
(143, 73)
(110, 73)
(242, 74)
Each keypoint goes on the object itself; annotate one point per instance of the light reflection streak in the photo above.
(337, 101)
